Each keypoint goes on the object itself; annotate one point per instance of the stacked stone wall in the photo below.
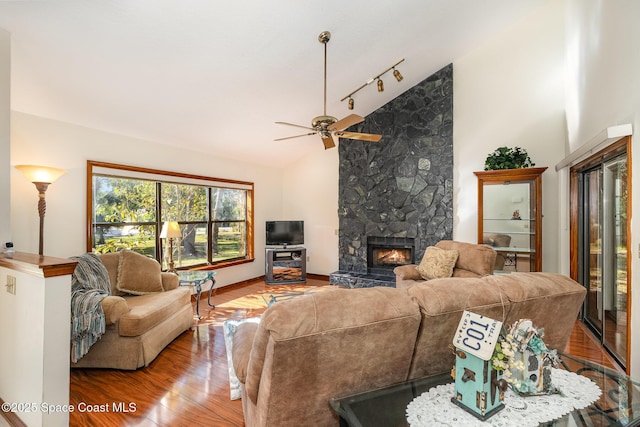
(401, 186)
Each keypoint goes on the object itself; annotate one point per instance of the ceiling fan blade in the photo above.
(296, 136)
(291, 124)
(361, 136)
(328, 142)
(350, 120)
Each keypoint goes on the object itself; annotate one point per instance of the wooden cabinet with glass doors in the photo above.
(510, 217)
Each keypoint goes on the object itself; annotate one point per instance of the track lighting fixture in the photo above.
(397, 75)
(378, 81)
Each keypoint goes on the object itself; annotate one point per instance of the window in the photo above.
(128, 206)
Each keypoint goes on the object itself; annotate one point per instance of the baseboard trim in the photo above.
(318, 276)
(242, 283)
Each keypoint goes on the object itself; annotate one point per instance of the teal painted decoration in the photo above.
(478, 388)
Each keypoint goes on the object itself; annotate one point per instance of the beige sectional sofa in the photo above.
(144, 319)
(342, 341)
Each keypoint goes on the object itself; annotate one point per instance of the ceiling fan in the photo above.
(328, 126)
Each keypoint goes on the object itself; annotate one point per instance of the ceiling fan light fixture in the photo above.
(351, 103)
(380, 86)
(397, 75)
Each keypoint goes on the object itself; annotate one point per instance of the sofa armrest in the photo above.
(169, 281)
(407, 272)
(241, 350)
(114, 307)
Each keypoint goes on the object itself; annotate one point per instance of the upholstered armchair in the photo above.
(145, 311)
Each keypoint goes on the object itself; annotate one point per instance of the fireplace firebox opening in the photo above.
(390, 257)
(386, 253)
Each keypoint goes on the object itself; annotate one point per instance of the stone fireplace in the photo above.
(386, 253)
(400, 188)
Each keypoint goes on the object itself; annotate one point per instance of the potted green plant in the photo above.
(508, 158)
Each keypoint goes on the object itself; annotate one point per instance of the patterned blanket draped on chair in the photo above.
(89, 286)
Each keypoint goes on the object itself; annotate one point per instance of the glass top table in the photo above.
(619, 404)
(196, 278)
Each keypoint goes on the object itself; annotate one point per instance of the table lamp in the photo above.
(41, 176)
(170, 231)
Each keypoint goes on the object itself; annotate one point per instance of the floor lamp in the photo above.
(42, 177)
(170, 231)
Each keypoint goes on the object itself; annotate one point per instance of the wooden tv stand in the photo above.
(285, 265)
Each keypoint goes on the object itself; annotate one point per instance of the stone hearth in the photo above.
(401, 187)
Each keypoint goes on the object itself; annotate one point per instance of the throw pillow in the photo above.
(137, 274)
(229, 328)
(437, 263)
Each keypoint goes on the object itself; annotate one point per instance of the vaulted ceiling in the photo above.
(214, 76)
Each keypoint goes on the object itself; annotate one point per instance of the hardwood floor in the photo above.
(188, 382)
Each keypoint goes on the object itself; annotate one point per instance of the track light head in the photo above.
(380, 86)
(397, 75)
(351, 103)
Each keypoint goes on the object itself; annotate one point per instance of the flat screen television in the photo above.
(285, 233)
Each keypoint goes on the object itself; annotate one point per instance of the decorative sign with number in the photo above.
(477, 335)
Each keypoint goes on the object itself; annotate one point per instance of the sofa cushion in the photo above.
(442, 302)
(552, 302)
(437, 263)
(146, 311)
(137, 274)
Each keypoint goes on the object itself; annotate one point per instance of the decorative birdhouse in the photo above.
(478, 389)
(534, 361)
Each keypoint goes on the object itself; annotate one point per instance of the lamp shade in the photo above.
(41, 173)
(170, 229)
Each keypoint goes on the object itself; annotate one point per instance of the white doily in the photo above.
(434, 407)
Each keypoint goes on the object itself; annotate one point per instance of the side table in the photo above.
(196, 278)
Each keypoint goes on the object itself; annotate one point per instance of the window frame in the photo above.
(97, 168)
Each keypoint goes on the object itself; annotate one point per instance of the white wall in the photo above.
(603, 87)
(34, 361)
(5, 116)
(310, 193)
(37, 140)
(510, 92)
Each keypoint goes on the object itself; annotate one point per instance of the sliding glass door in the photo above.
(603, 197)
